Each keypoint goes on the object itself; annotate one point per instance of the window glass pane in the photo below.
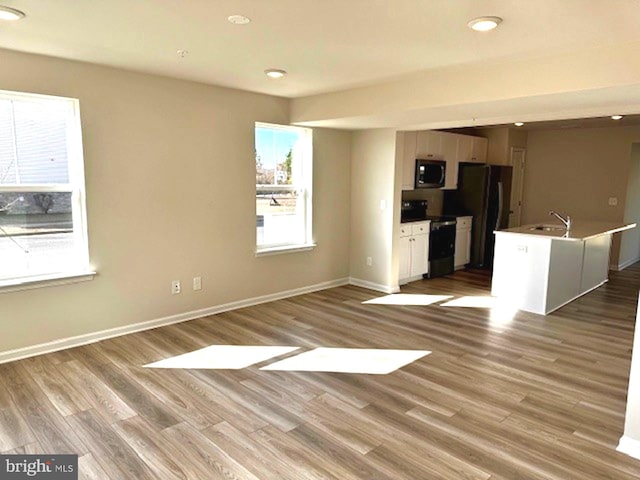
(41, 141)
(274, 155)
(36, 234)
(7, 152)
(280, 217)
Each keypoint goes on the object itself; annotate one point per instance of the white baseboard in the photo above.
(628, 263)
(629, 446)
(64, 343)
(374, 286)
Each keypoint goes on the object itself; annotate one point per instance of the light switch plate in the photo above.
(613, 201)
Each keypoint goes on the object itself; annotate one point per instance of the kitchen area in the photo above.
(459, 189)
(452, 200)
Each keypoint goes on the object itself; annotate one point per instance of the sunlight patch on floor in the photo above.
(501, 312)
(228, 357)
(349, 360)
(479, 301)
(408, 299)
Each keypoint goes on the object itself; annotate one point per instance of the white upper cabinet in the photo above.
(472, 149)
(408, 159)
(433, 145)
(479, 152)
(430, 145)
(465, 148)
(450, 154)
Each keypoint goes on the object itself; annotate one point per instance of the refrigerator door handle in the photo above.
(499, 206)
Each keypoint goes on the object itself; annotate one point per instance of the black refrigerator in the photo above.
(484, 192)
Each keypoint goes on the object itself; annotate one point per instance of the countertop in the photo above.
(580, 229)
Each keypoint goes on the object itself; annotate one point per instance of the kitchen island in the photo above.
(539, 268)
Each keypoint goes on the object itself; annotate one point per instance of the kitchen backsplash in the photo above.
(433, 196)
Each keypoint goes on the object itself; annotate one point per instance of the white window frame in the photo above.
(81, 269)
(303, 182)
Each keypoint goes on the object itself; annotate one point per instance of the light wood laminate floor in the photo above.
(530, 397)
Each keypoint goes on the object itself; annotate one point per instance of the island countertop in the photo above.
(580, 230)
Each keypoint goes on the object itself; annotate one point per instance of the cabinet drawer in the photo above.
(420, 228)
(463, 223)
(405, 230)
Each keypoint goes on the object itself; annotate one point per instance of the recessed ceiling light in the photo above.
(275, 73)
(519, 124)
(616, 117)
(10, 14)
(238, 19)
(484, 24)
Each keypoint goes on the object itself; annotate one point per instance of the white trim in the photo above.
(40, 281)
(373, 286)
(629, 446)
(70, 342)
(285, 249)
(628, 263)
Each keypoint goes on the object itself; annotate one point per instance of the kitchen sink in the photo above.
(548, 228)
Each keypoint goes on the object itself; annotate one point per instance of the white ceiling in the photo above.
(326, 45)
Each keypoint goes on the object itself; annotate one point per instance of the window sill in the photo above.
(40, 281)
(286, 249)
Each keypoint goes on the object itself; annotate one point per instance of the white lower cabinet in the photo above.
(414, 251)
(463, 242)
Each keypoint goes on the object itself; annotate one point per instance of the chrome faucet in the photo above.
(566, 221)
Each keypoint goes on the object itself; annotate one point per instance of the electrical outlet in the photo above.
(613, 201)
(175, 287)
(369, 261)
(197, 283)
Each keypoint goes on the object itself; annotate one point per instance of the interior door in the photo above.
(517, 161)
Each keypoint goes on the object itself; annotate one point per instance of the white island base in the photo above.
(539, 271)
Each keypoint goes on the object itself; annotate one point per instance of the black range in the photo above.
(442, 241)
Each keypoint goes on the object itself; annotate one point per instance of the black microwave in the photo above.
(430, 173)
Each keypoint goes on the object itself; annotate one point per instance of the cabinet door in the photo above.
(419, 255)
(450, 154)
(409, 161)
(429, 145)
(405, 257)
(467, 247)
(463, 248)
(479, 152)
(465, 148)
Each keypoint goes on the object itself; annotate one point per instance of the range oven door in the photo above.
(442, 241)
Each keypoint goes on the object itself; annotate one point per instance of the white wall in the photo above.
(373, 179)
(575, 171)
(630, 244)
(630, 441)
(170, 195)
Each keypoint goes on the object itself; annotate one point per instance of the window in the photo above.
(283, 187)
(42, 213)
